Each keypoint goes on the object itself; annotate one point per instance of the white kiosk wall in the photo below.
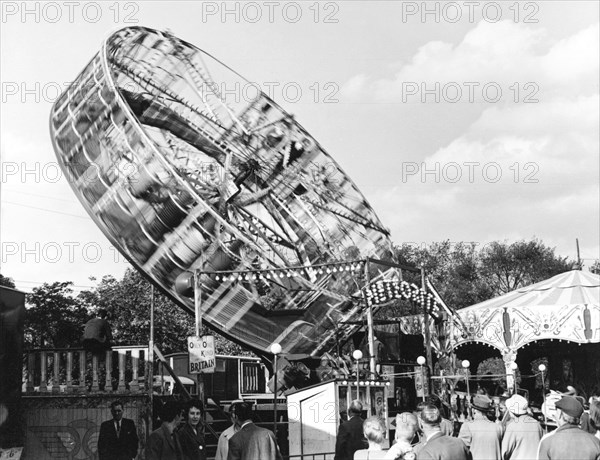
(314, 413)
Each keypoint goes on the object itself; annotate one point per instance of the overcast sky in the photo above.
(460, 121)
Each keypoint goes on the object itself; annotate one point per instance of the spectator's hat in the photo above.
(482, 403)
(570, 406)
(517, 405)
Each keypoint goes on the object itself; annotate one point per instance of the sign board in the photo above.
(201, 354)
(14, 453)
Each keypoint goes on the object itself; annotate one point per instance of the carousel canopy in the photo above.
(564, 307)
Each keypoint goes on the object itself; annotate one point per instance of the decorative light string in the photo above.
(287, 272)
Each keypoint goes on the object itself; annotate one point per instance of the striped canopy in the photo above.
(564, 307)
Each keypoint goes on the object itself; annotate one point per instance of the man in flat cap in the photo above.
(482, 436)
(568, 440)
(523, 432)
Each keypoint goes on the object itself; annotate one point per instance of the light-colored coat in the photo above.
(483, 437)
(521, 438)
(253, 443)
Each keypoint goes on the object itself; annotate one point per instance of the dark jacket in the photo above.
(350, 438)
(442, 447)
(193, 446)
(163, 445)
(97, 335)
(569, 442)
(123, 447)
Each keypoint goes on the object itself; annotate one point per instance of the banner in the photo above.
(201, 355)
(421, 382)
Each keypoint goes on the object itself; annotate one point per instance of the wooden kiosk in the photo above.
(314, 413)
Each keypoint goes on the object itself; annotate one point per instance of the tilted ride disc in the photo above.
(179, 178)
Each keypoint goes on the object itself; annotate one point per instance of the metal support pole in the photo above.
(426, 324)
(370, 336)
(542, 368)
(422, 384)
(150, 360)
(468, 394)
(275, 395)
(198, 317)
(357, 382)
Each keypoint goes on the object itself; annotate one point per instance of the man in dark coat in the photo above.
(435, 445)
(163, 444)
(251, 442)
(569, 441)
(118, 438)
(350, 436)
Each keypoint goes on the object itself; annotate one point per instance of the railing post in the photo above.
(30, 372)
(135, 358)
(95, 386)
(55, 376)
(82, 371)
(43, 377)
(121, 387)
(108, 368)
(69, 371)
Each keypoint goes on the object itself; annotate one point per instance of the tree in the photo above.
(128, 303)
(454, 270)
(506, 267)
(5, 281)
(54, 317)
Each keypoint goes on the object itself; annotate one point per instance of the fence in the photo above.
(73, 370)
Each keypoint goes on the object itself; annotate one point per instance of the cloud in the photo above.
(504, 53)
(545, 151)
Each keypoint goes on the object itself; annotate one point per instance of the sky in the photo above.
(459, 121)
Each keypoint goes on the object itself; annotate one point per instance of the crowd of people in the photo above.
(426, 434)
(421, 435)
(181, 435)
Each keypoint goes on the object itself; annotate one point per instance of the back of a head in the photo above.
(170, 411)
(374, 429)
(242, 410)
(430, 416)
(356, 408)
(407, 425)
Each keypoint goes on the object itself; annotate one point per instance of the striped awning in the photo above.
(564, 307)
(571, 288)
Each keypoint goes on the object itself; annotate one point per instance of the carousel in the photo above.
(552, 326)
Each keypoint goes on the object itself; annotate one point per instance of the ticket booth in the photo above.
(315, 412)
